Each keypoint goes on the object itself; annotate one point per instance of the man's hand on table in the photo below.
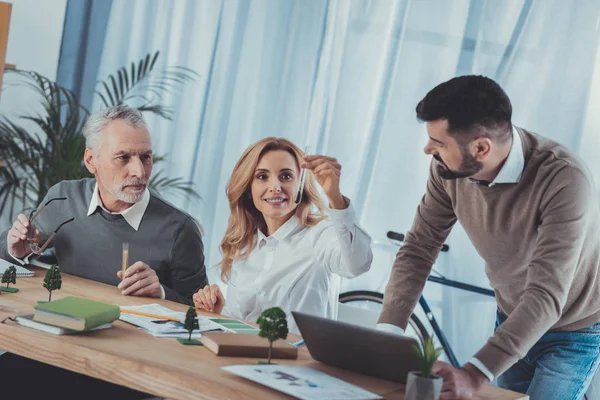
(459, 383)
(140, 280)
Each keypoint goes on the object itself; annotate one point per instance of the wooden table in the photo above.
(127, 356)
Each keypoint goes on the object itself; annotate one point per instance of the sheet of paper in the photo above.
(195, 335)
(301, 382)
(21, 272)
(161, 327)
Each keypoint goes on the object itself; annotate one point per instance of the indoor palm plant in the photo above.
(41, 150)
(423, 385)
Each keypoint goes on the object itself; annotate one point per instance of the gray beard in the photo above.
(122, 196)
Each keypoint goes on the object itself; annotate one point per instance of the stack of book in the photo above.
(71, 315)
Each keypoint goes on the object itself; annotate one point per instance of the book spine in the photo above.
(109, 316)
(255, 352)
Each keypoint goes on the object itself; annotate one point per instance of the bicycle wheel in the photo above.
(374, 301)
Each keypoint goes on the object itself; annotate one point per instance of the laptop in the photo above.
(356, 348)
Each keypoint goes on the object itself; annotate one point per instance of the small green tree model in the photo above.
(9, 276)
(190, 324)
(52, 281)
(427, 355)
(273, 326)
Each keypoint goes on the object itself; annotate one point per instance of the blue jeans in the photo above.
(560, 366)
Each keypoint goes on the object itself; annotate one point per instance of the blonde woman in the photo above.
(278, 253)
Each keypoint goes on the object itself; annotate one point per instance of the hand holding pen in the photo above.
(327, 172)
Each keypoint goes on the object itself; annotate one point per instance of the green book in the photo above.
(76, 313)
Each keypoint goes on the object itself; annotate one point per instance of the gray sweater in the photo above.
(168, 240)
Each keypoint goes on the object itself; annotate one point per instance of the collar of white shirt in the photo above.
(133, 215)
(280, 234)
(515, 162)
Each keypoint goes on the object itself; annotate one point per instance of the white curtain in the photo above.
(344, 76)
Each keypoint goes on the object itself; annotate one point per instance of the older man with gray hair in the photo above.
(113, 208)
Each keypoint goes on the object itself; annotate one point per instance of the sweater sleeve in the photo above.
(4, 245)
(561, 234)
(433, 222)
(187, 269)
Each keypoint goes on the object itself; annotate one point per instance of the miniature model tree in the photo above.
(190, 324)
(9, 276)
(273, 326)
(52, 281)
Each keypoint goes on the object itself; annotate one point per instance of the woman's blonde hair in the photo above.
(245, 219)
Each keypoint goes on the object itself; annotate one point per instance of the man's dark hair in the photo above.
(473, 105)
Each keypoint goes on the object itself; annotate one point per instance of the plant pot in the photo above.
(419, 388)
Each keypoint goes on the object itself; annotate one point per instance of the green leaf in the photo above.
(140, 69)
(132, 73)
(110, 96)
(123, 71)
(146, 64)
(114, 87)
(121, 82)
(427, 355)
(106, 103)
(154, 59)
(273, 324)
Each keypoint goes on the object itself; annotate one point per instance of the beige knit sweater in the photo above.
(540, 239)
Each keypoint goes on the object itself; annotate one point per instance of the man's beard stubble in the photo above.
(469, 166)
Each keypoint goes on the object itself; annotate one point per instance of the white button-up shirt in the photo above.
(299, 269)
(132, 215)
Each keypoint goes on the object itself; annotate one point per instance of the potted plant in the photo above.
(423, 385)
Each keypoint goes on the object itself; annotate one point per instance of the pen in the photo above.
(150, 315)
(298, 343)
(125, 260)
